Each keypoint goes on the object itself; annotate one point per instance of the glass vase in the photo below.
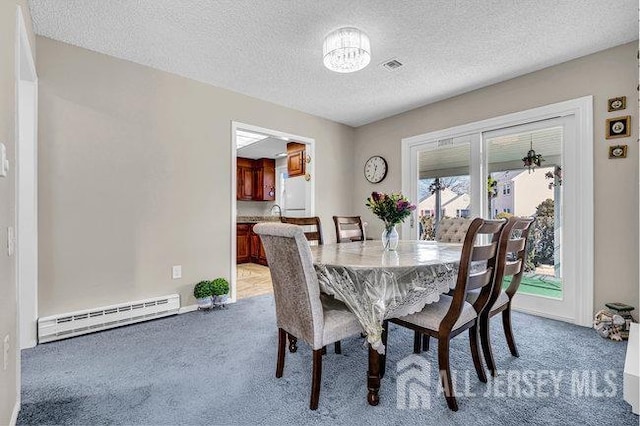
(390, 238)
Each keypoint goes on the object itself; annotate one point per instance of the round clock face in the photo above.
(375, 169)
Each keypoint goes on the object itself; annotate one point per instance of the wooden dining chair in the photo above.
(313, 230)
(511, 260)
(348, 228)
(452, 315)
(300, 311)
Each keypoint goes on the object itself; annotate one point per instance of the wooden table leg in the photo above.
(373, 377)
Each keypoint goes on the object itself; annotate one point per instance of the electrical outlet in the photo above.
(176, 272)
(5, 352)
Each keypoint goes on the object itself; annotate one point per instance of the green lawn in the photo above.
(541, 285)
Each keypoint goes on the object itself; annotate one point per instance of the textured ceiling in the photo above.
(271, 49)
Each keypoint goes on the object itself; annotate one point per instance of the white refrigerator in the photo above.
(295, 197)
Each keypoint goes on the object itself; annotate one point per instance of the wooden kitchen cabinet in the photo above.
(264, 182)
(249, 247)
(243, 243)
(244, 171)
(258, 254)
(296, 159)
(255, 245)
(256, 179)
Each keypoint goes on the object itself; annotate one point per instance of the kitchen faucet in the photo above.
(279, 209)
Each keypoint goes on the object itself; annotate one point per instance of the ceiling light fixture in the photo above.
(346, 50)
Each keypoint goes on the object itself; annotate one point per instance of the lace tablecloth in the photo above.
(377, 285)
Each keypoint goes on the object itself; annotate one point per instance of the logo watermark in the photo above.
(413, 386)
(416, 385)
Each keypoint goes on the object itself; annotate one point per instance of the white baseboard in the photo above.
(185, 309)
(30, 344)
(544, 314)
(16, 411)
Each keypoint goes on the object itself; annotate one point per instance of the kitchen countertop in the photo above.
(257, 219)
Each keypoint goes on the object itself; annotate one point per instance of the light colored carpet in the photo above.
(218, 368)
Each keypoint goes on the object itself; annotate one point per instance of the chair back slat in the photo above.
(313, 236)
(312, 227)
(348, 228)
(347, 235)
(484, 258)
(479, 279)
(484, 252)
(512, 268)
(512, 253)
(295, 283)
(516, 245)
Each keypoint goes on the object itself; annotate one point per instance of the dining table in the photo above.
(377, 284)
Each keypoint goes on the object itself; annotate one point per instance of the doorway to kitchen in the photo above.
(272, 177)
(479, 169)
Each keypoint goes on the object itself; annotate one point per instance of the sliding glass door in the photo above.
(484, 174)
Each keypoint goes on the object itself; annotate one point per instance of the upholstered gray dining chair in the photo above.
(452, 230)
(300, 311)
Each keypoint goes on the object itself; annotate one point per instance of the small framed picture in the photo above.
(618, 151)
(617, 104)
(619, 127)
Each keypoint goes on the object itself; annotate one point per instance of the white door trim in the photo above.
(26, 259)
(26, 186)
(582, 111)
(311, 199)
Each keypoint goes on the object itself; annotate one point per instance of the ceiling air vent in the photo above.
(392, 65)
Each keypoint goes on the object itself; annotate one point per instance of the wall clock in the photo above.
(375, 169)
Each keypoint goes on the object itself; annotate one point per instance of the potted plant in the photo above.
(220, 291)
(203, 292)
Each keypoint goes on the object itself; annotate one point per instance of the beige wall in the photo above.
(135, 174)
(606, 74)
(8, 312)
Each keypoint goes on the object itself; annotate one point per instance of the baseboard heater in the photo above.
(72, 324)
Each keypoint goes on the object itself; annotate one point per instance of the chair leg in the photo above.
(485, 340)
(282, 341)
(383, 358)
(475, 353)
(425, 342)
(417, 342)
(508, 332)
(293, 343)
(445, 372)
(316, 379)
(337, 348)
(324, 350)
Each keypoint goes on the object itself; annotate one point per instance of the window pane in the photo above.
(443, 186)
(538, 193)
